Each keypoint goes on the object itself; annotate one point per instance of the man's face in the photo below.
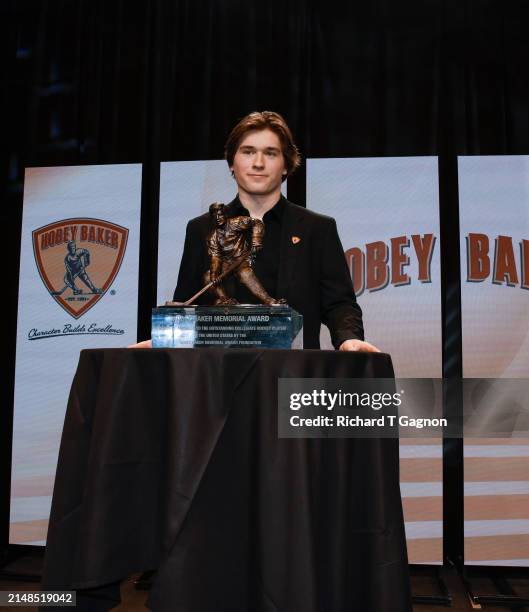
(72, 248)
(220, 218)
(259, 164)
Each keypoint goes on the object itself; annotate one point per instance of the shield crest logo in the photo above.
(78, 260)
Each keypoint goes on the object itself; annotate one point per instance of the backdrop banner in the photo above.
(494, 235)
(78, 289)
(387, 212)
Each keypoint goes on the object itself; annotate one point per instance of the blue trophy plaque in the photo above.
(242, 326)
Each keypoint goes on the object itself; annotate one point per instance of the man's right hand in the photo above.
(146, 344)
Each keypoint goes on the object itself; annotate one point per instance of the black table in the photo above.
(170, 460)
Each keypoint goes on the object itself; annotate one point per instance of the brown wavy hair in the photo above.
(262, 121)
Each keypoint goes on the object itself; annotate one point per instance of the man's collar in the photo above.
(277, 210)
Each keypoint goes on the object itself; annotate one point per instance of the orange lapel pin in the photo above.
(296, 239)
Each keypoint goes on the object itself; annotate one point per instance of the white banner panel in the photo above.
(494, 226)
(387, 212)
(78, 289)
(187, 188)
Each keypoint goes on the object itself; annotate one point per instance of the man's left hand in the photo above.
(358, 345)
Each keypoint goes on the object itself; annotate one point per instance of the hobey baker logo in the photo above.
(380, 263)
(507, 261)
(78, 260)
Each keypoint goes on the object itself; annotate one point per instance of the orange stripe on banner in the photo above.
(496, 547)
(420, 441)
(34, 486)
(499, 507)
(496, 441)
(28, 531)
(425, 550)
(496, 468)
(421, 470)
(422, 508)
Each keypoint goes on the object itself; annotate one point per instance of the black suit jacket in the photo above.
(313, 275)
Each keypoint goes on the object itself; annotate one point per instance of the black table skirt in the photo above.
(170, 460)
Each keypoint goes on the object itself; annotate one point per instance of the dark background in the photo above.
(116, 81)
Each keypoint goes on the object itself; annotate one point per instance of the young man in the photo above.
(302, 259)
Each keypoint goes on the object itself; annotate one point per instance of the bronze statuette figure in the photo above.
(232, 244)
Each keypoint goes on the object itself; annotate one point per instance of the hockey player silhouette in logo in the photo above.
(76, 262)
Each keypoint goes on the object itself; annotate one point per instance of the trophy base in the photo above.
(241, 326)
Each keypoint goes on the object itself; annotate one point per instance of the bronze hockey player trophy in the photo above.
(232, 244)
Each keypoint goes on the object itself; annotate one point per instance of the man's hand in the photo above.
(141, 345)
(358, 345)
